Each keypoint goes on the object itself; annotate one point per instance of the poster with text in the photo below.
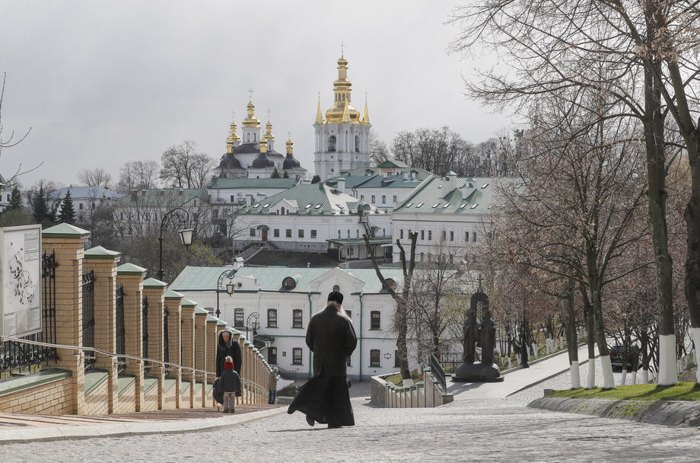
(20, 274)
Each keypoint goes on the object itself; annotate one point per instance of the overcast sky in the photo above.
(105, 82)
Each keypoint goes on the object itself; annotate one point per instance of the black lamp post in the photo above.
(230, 288)
(185, 233)
(255, 325)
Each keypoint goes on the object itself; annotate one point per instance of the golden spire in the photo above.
(346, 113)
(365, 116)
(290, 146)
(232, 137)
(319, 114)
(268, 130)
(251, 120)
(342, 90)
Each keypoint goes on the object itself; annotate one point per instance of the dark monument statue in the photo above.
(483, 335)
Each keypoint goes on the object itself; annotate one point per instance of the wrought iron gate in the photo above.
(88, 288)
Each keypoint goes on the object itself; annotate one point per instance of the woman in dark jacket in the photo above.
(325, 397)
(225, 347)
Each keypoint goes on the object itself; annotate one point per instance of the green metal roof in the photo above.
(170, 294)
(452, 195)
(201, 311)
(187, 302)
(308, 199)
(130, 269)
(164, 197)
(154, 283)
(98, 252)
(270, 278)
(65, 230)
(248, 183)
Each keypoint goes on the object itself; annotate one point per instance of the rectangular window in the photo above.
(301, 233)
(422, 235)
(313, 234)
(362, 197)
(397, 364)
(80, 206)
(374, 356)
(383, 199)
(297, 318)
(276, 232)
(474, 237)
(373, 199)
(466, 236)
(233, 198)
(401, 233)
(296, 356)
(272, 355)
(444, 235)
(288, 233)
(338, 234)
(272, 318)
(430, 235)
(375, 320)
(238, 316)
(252, 232)
(395, 199)
(452, 235)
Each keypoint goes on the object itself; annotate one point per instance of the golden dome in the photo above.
(251, 120)
(232, 137)
(342, 111)
(268, 132)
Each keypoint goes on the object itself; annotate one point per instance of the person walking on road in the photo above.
(272, 385)
(227, 347)
(231, 385)
(325, 397)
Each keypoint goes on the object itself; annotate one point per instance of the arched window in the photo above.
(331, 144)
(282, 209)
(357, 143)
(247, 137)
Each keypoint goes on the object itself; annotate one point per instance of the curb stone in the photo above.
(59, 433)
(664, 412)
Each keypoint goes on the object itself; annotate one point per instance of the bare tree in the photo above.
(184, 167)
(437, 151)
(96, 177)
(378, 151)
(650, 50)
(138, 175)
(401, 298)
(10, 140)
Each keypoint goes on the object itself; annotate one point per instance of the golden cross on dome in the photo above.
(342, 49)
(250, 92)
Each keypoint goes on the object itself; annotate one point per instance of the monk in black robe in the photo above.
(325, 397)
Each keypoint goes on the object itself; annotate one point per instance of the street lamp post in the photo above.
(185, 233)
(255, 325)
(230, 288)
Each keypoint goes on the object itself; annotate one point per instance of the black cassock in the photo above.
(325, 397)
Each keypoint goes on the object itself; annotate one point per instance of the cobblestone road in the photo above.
(493, 430)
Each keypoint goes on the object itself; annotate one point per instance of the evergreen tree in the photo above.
(286, 174)
(316, 179)
(275, 173)
(15, 199)
(67, 212)
(40, 208)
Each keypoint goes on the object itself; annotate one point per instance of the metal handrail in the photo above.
(196, 371)
(437, 371)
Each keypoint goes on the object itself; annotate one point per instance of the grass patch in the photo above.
(396, 379)
(680, 391)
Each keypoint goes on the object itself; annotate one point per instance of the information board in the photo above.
(20, 275)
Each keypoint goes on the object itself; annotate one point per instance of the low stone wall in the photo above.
(424, 393)
(48, 393)
(666, 412)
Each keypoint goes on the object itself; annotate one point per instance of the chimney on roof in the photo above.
(341, 185)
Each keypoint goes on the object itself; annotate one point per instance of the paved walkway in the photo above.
(519, 379)
(480, 425)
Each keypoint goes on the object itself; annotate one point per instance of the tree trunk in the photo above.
(590, 335)
(571, 337)
(656, 178)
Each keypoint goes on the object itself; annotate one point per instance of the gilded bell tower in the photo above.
(342, 136)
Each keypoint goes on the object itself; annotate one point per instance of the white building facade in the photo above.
(282, 300)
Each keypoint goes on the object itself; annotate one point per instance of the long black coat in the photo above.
(331, 337)
(325, 397)
(228, 349)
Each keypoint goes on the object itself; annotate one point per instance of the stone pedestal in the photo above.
(477, 373)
